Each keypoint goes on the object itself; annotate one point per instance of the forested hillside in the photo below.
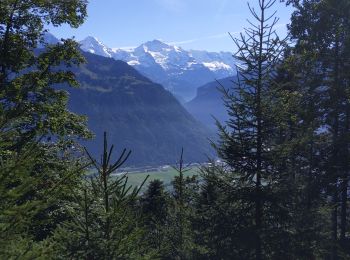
(137, 114)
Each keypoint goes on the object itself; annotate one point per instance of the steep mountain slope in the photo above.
(208, 103)
(137, 114)
(178, 70)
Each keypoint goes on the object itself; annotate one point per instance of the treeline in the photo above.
(281, 191)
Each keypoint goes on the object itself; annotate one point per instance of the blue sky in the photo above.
(191, 24)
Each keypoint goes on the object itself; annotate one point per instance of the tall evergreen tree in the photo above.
(321, 32)
(103, 223)
(296, 158)
(178, 227)
(247, 142)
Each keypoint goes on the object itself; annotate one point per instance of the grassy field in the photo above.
(165, 175)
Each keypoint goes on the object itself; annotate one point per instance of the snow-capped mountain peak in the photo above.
(181, 71)
(160, 46)
(156, 46)
(93, 45)
(217, 65)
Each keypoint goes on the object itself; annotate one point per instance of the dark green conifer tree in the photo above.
(104, 223)
(155, 206)
(296, 158)
(179, 236)
(247, 141)
(321, 32)
(216, 221)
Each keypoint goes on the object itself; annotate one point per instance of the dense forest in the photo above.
(280, 191)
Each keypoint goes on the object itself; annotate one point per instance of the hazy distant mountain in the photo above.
(137, 114)
(208, 103)
(47, 38)
(178, 70)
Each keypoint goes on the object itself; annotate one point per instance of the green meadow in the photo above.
(165, 175)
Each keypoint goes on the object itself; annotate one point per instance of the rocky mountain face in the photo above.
(178, 70)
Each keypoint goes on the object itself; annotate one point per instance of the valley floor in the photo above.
(165, 173)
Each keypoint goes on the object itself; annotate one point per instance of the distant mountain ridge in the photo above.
(208, 104)
(136, 113)
(178, 70)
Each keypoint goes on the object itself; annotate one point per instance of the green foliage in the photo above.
(247, 141)
(280, 192)
(155, 203)
(216, 220)
(38, 161)
(320, 65)
(103, 224)
(168, 216)
(285, 146)
(178, 228)
(296, 202)
(30, 105)
(34, 185)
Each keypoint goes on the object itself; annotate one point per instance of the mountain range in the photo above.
(140, 114)
(137, 114)
(178, 70)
